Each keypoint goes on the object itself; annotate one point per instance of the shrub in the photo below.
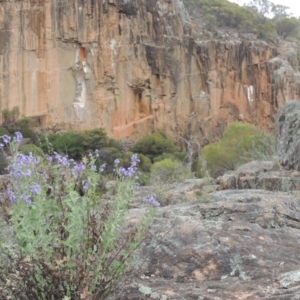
(108, 156)
(287, 27)
(97, 139)
(266, 30)
(218, 159)
(225, 12)
(165, 156)
(69, 143)
(10, 116)
(32, 148)
(3, 131)
(67, 242)
(144, 162)
(170, 171)
(241, 143)
(166, 172)
(144, 179)
(154, 145)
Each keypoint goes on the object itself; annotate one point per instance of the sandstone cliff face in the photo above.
(134, 67)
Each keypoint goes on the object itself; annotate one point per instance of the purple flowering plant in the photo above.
(61, 223)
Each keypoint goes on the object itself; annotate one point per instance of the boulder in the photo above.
(265, 175)
(288, 122)
(243, 244)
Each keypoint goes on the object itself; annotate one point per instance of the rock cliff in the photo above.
(137, 66)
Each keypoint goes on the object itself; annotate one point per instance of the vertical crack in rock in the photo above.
(81, 72)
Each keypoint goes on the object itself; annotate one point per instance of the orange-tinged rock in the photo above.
(134, 67)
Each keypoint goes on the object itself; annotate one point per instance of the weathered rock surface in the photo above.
(136, 66)
(288, 120)
(265, 175)
(243, 244)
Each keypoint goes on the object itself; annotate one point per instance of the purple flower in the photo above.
(18, 137)
(57, 157)
(77, 169)
(130, 171)
(117, 161)
(65, 161)
(134, 160)
(1, 145)
(49, 158)
(101, 168)
(6, 139)
(152, 200)
(26, 199)
(35, 188)
(86, 185)
(97, 153)
(27, 173)
(11, 195)
(21, 159)
(136, 186)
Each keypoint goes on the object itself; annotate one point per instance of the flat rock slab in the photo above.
(243, 244)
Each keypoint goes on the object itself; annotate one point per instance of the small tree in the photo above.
(287, 27)
(262, 8)
(280, 12)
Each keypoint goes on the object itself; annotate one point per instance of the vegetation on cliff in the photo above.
(254, 17)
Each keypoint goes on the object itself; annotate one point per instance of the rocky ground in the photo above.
(239, 239)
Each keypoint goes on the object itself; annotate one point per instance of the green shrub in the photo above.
(69, 143)
(154, 145)
(210, 21)
(287, 27)
(32, 148)
(241, 143)
(3, 131)
(165, 156)
(170, 171)
(266, 30)
(225, 13)
(144, 179)
(240, 134)
(108, 156)
(144, 164)
(10, 116)
(218, 159)
(97, 139)
(12, 123)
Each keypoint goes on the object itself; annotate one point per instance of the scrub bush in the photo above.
(170, 171)
(32, 148)
(70, 143)
(241, 143)
(154, 145)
